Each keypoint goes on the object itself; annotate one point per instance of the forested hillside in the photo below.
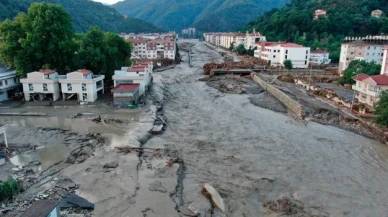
(205, 15)
(294, 22)
(84, 13)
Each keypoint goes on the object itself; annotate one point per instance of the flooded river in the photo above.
(227, 141)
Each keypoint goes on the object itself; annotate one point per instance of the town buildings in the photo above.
(82, 84)
(153, 49)
(277, 52)
(319, 57)
(377, 13)
(368, 48)
(318, 13)
(130, 83)
(189, 33)
(9, 84)
(368, 88)
(41, 85)
(225, 40)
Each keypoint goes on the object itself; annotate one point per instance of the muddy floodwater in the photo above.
(238, 147)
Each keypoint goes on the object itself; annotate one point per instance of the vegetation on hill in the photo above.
(84, 13)
(44, 38)
(205, 15)
(357, 67)
(294, 22)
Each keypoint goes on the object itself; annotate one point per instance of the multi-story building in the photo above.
(319, 57)
(368, 88)
(277, 52)
(41, 85)
(252, 39)
(82, 84)
(130, 83)
(318, 13)
(368, 48)
(161, 49)
(139, 48)
(377, 13)
(188, 33)
(9, 84)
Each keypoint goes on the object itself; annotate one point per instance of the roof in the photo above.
(46, 71)
(319, 51)
(126, 87)
(137, 40)
(283, 44)
(73, 200)
(40, 208)
(360, 77)
(380, 79)
(136, 69)
(84, 71)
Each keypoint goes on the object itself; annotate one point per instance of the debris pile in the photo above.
(248, 62)
(284, 206)
(105, 121)
(306, 79)
(86, 149)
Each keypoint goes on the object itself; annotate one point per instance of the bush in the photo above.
(288, 64)
(8, 189)
(381, 109)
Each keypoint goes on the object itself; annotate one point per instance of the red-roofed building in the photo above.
(319, 57)
(277, 52)
(126, 94)
(318, 13)
(368, 88)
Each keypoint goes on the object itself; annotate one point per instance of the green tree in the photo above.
(357, 67)
(381, 109)
(42, 37)
(118, 52)
(288, 64)
(231, 47)
(93, 49)
(240, 49)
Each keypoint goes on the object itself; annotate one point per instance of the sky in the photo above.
(107, 1)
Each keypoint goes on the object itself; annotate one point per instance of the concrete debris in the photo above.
(157, 186)
(284, 205)
(157, 129)
(112, 164)
(189, 211)
(66, 184)
(140, 150)
(213, 194)
(174, 160)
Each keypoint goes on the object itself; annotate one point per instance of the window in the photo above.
(15, 80)
(69, 87)
(45, 87)
(274, 56)
(306, 57)
(368, 48)
(286, 57)
(359, 84)
(305, 62)
(30, 87)
(274, 51)
(307, 52)
(279, 51)
(6, 82)
(286, 51)
(1, 83)
(83, 87)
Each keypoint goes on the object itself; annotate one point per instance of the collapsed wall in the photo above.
(290, 103)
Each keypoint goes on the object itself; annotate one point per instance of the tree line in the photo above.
(44, 38)
(295, 23)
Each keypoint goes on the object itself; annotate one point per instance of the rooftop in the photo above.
(360, 77)
(136, 69)
(46, 71)
(283, 44)
(380, 79)
(319, 51)
(137, 40)
(126, 87)
(40, 208)
(84, 71)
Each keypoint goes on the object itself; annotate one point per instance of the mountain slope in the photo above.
(206, 15)
(84, 13)
(294, 22)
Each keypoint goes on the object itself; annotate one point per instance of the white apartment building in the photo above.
(368, 48)
(139, 48)
(319, 57)
(83, 84)
(252, 39)
(41, 85)
(8, 84)
(277, 52)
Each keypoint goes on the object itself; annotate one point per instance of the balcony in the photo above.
(367, 91)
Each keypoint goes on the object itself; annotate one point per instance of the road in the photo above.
(251, 154)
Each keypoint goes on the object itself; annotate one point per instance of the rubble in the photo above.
(248, 62)
(112, 165)
(189, 211)
(284, 206)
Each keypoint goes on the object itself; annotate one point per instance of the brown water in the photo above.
(227, 141)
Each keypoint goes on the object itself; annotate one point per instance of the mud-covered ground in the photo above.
(263, 163)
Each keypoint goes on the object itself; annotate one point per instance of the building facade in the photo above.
(377, 13)
(139, 48)
(369, 49)
(41, 85)
(277, 52)
(9, 84)
(318, 13)
(82, 84)
(153, 49)
(319, 57)
(368, 88)
(253, 39)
